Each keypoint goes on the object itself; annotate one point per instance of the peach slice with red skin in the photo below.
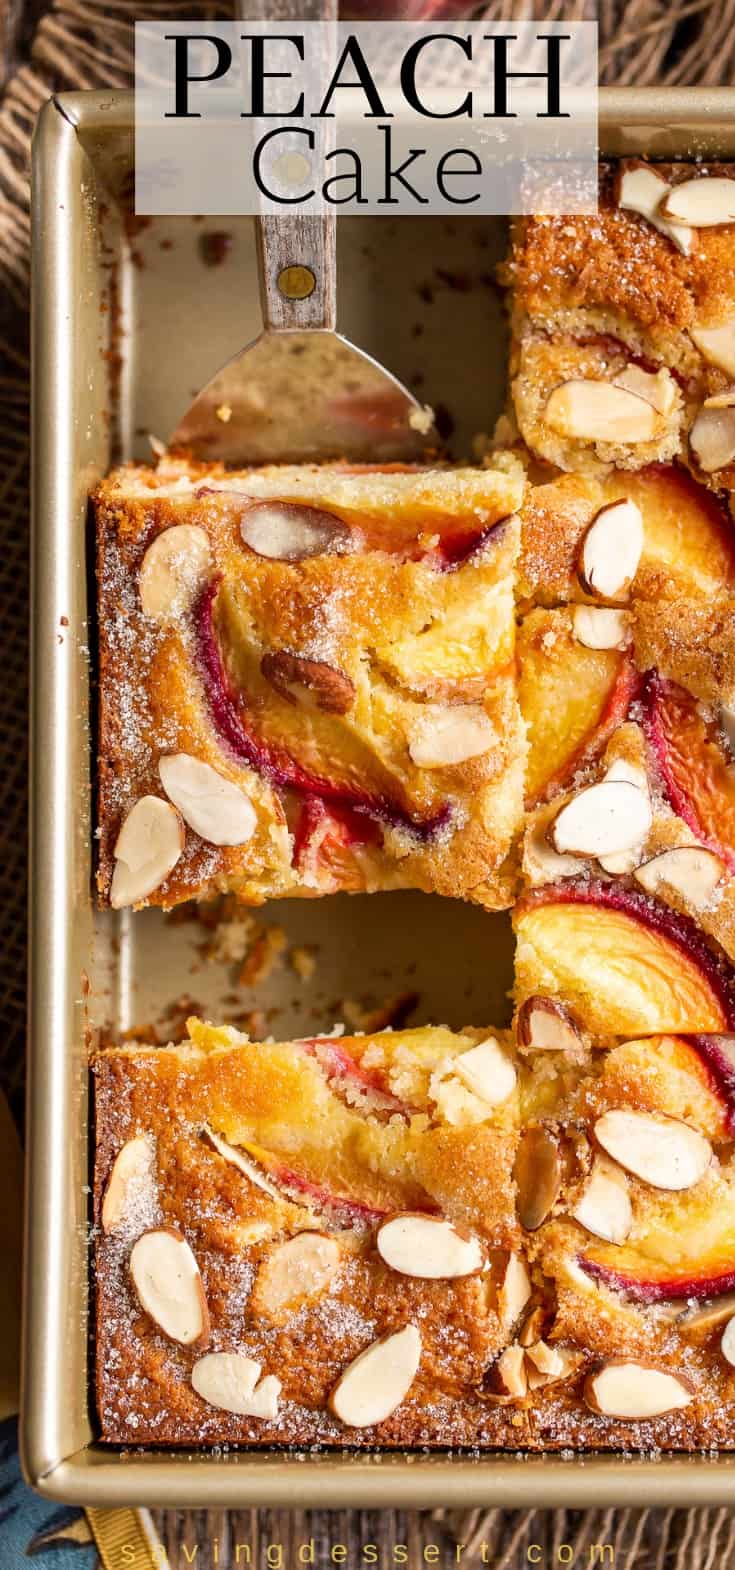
(651, 967)
(339, 1065)
(717, 1053)
(648, 1281)
(341, 1210)
(572, 699)
(273, 762)
(326, 838)
(693, 764)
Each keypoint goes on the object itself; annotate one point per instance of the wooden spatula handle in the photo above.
(297, 252)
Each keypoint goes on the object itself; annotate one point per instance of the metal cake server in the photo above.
(301, 391)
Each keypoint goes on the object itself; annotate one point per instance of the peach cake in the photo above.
(418, 1238)
(623, 325)
(307, 681)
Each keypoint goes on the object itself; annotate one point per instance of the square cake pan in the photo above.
(127, 322)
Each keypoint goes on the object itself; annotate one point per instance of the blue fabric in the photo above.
(34, 1533)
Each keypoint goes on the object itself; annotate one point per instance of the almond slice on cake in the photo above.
(231, 1381)
(634, 1390)
(428, 1247)
(597, 411)
(147, 849)
(611, 550)
(168, 1284)
(376, 1382)
(662, 1151)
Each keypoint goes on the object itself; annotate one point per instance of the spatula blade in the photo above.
(295, 397)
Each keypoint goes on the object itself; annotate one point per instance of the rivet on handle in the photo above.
(296, 282)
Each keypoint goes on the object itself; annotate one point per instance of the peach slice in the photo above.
(687, 1249)
(572, 698)
(686, 527)
(343, 1070)
(273, 760)
(693, 763)
(623, 961)
(342, 1211)
(717, 1053)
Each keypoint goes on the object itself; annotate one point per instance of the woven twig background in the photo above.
(85, 44)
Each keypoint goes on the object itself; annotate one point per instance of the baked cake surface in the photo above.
(513, 684)
(513, 1234)
(307, 682)
(623, 325)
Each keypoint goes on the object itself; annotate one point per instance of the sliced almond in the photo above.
(690, 870)
(130, 1186)
(721, 400)
(657, 387)
(625, 861)
(717, 345)
(604, 1208)
(547, 1359)
(600, 627)
(611, 550)
(428, 1247)
(537, 1173)
(662, 1151)
(603, 820)
(487, 1071)
(510, 1372)
(515, 1291)
(702, 203)
(727, 721)
(238, 1158)
(214, 807)
(147, 849)
(231, 1381)
(727, 1343)
(700, 1321)
(631, 1390)
(546, 1025)
(378, 1380)
(595, 411)
(712, 439)
(173, 572)
(532, 1326)
(288, 531)
(293, 1273)
(166, 1277)
(298, 679)
(448, 735)
(543, 864)
(641, 190)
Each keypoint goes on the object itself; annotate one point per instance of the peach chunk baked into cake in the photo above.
(307, 681)
(417, 1238)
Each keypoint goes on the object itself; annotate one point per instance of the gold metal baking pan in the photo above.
(128, 321)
